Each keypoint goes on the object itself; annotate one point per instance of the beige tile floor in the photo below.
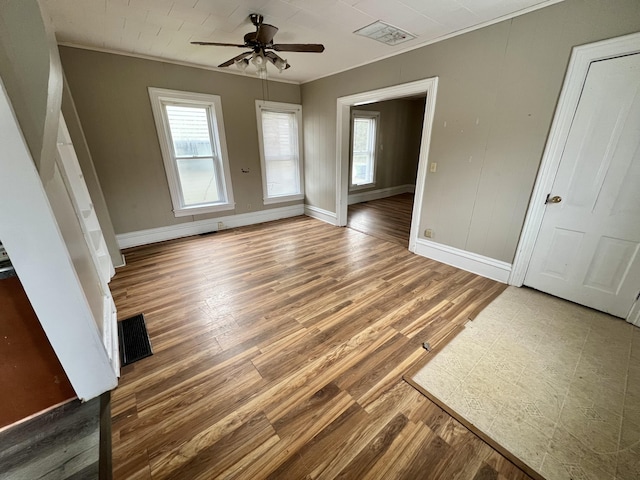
(556, 384)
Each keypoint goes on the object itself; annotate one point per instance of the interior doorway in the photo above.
(383, 165)
(426, 88)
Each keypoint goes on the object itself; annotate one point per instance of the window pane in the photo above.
(199, 181)
(279, 135)
(362, 171)
(280, 139)
(189, 131)
(361, 134)
(363, 150)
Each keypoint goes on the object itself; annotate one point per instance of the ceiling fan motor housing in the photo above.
(256, 19)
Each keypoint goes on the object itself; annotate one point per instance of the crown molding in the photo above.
(173, 62)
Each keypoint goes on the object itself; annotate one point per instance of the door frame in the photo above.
(581, 58)
(343, 122)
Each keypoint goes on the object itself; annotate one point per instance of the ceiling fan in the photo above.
(259, 42)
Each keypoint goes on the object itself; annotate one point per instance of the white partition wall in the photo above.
(54, 262)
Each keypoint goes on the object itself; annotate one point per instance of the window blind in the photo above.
(280, 138)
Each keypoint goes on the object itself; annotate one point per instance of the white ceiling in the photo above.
(164, 28)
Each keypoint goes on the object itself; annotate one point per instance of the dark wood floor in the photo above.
(387, 218)
(31, 377)
(279, 353)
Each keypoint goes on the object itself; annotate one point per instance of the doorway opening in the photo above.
(416, 91)
(383, 165)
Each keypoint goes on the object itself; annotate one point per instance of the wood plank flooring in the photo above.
(386, 218)
(279, 353)
(62, 443)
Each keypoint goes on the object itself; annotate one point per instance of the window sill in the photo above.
(188, 211)
(284, 198)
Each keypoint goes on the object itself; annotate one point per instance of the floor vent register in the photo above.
(134, 340)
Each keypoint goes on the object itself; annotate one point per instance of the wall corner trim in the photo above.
(471, 262)
(171, 232)
(321, 214)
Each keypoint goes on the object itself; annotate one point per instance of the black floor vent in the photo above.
(134, 340)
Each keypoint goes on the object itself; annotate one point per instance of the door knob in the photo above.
(554, 199)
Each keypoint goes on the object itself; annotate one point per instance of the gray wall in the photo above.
(398, 141)
(31, 74)
(110, 94)
(498, 88)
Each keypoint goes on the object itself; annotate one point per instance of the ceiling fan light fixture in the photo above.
(242, 64)
(280, 64)
(258, 61)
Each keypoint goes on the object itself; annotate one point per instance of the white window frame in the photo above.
(284, 108)
(160, 97)
(364, 114)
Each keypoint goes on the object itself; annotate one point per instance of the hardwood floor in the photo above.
(279, 353)
(387, 218)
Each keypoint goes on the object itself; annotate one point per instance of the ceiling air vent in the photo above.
(385, 33)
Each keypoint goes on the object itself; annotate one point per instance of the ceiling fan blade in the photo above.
(234, 59)
(275, 59)
(265, 33)
(298, 47)
(216, 44)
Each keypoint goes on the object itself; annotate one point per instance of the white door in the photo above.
(587, 250)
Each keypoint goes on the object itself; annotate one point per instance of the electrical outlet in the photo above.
(433, 167)
(428, 233)
(248, 206)
(220, 226)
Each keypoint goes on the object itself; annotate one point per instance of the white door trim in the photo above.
(634, 314)
(581, 59)
(430, 86)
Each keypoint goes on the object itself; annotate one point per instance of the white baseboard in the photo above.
(160, 234)
(122, 263)
(380, 193)
(321, 214)
(471, 262)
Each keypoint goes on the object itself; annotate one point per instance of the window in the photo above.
(280, 140)
(192, 140)
(364, 128)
